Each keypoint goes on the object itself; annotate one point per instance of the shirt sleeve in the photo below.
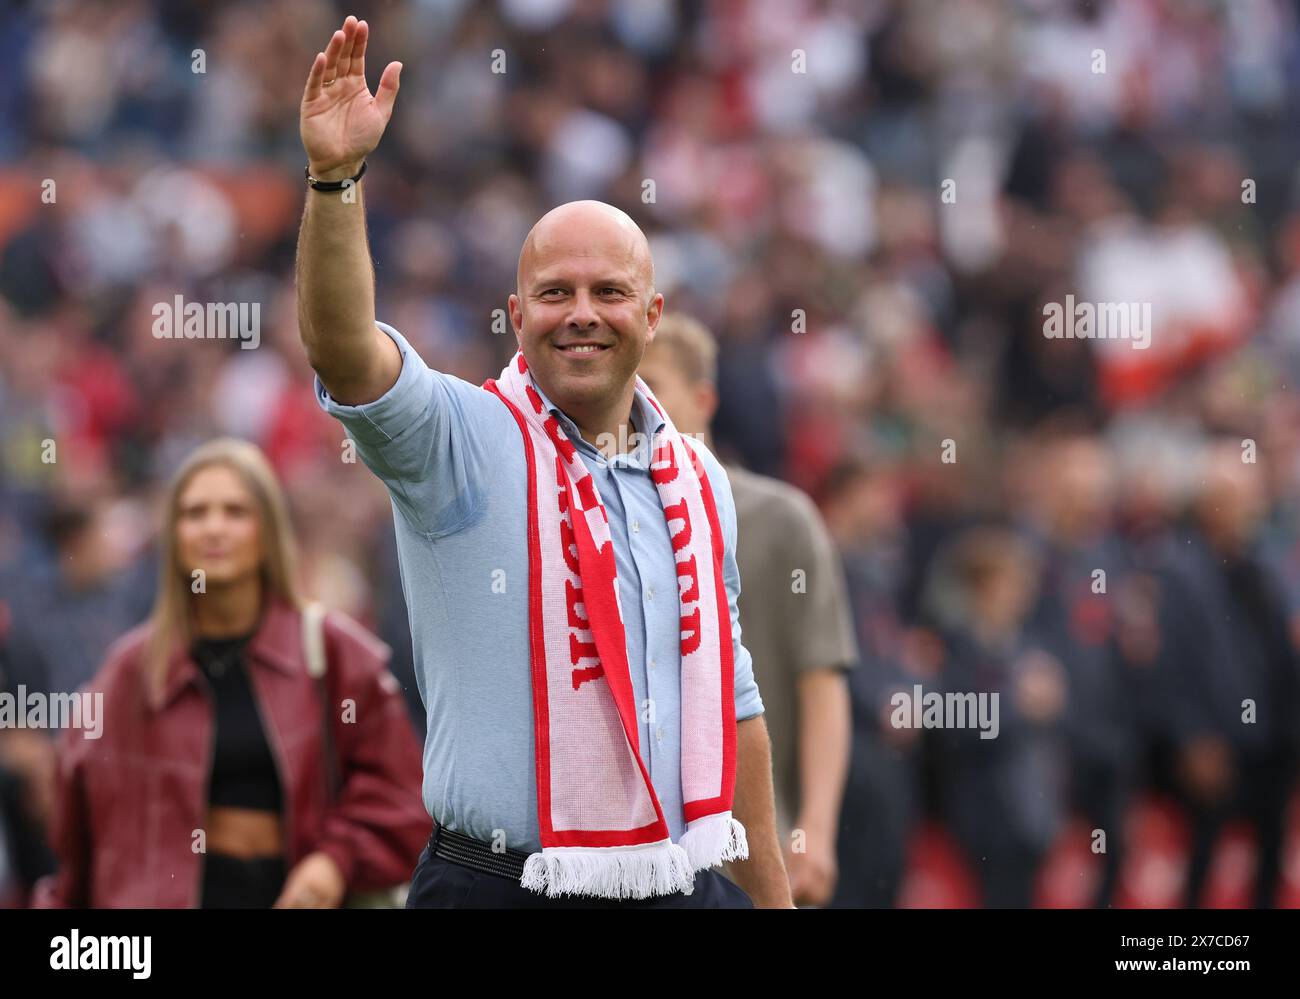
(422, 438)
(748, 702)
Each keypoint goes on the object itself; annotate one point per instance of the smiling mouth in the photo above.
(583, 350)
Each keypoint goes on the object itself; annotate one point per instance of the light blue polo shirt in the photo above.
(452, 458)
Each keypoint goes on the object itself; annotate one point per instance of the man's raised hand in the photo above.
(341, 123)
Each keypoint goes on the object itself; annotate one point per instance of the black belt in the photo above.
(475, 854)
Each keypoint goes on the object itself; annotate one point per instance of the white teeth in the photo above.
(583, 350)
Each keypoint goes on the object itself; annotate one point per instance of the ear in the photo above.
(706, 398)
(653, 313)
(514, 305)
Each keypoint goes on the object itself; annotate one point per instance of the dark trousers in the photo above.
(877, 816)
(1264, 785)
(441, 884)
(1007, 875)
(236, 883)
(1101, 796)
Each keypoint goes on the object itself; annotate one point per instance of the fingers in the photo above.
(314, 78)
(291, 896)
(388, 86)
(359, 50)
(332, 51)
(349, 43)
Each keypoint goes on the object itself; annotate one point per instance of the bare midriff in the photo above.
(245, 833)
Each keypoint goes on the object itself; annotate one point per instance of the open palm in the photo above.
(341, 122)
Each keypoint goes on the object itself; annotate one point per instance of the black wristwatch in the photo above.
(332, 185)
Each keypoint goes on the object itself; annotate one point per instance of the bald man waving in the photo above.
(595, 734)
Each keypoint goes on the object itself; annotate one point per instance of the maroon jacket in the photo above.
(128, 804)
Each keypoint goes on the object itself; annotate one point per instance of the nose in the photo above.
(583, 315)
(214, 524)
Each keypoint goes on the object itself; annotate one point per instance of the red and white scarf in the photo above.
(602, 829)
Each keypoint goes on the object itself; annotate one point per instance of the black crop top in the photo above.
(243, 769)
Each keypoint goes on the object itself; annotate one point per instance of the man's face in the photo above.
(1082, 486)
(1232, 501)
(584, 280)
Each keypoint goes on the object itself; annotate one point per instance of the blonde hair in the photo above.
(693, 346)
(169, 623)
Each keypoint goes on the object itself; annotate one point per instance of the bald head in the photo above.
(586, 229)
(585, 310)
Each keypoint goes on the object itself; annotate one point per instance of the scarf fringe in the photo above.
(710, 840)
(610, 872)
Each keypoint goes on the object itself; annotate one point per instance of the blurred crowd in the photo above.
(870, 202)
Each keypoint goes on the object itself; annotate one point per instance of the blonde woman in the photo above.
(227, 774)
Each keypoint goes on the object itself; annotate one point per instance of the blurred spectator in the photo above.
(1230, 671)
(26, 782)
(290, 807)
(64, 617)
(795, 619)
(1084, 582)
(882, 800)
(1002, 787)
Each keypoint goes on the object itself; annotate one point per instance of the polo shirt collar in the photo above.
(644, 415)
